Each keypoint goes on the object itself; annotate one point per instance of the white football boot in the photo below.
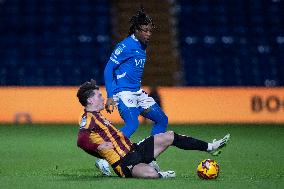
(167, 174)
(103, 166)
(216, 145)
(155, 165)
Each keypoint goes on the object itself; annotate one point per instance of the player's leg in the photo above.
(143, 170)
(157, 115)
(128, 110)
(215, 146)
(160, 120)
(144, 155)
(131, 121)
(130, 117)
(163, 140)
(151, 110)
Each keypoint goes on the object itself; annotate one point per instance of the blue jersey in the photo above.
(125, 67)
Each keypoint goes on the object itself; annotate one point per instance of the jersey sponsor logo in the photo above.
(115, 61)
(118, 50)
(83, 122)
(121, 75)
(140, 62)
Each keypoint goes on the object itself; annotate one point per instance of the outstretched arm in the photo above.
(108, 76)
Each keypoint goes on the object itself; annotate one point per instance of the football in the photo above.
(208, 169)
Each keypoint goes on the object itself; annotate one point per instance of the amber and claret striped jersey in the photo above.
(99, 130)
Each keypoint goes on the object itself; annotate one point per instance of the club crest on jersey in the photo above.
(83, 121)
(130, 101)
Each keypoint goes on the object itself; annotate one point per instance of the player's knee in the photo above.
(170, 137)
(167, 138)
(151, 173)
(144, 171)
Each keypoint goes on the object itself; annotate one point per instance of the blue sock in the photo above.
(130, 117)
(160, 119)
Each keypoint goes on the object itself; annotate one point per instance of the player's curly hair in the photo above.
(86, 90)
(140, 18)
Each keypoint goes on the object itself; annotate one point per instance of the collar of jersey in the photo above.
(133, 37)
(93, 112)
(140, 44)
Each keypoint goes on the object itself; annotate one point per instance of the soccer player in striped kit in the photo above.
(98, 137)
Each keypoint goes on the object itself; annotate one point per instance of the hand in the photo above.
(110, 104)
(105, 146)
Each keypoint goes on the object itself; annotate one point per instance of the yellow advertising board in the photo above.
(221, 105)
(182, 105)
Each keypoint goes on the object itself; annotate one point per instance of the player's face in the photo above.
(144, 33)
(97, 100)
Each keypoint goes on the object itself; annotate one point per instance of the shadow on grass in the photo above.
(81, 175)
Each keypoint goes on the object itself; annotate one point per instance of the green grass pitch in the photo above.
(40, 156)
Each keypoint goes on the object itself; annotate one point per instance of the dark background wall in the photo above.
(220, 43)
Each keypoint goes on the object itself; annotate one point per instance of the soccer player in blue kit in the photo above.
(123, 74)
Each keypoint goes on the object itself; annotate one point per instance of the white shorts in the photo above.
(134, 99)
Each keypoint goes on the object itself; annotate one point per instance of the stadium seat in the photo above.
(51, 40)
(231, 43)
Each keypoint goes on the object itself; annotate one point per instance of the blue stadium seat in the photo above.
(231, 43)
(53, 43)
